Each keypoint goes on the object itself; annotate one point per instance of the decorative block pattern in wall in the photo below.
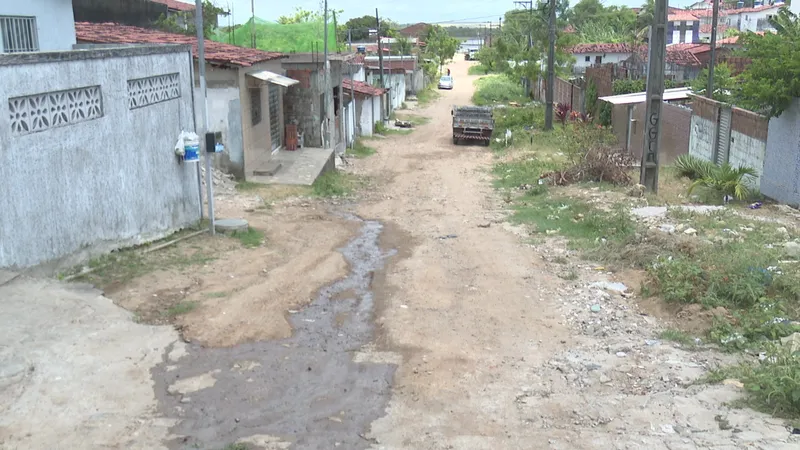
(151, 90)
(40, 112)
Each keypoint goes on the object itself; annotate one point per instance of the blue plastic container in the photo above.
(191, 152)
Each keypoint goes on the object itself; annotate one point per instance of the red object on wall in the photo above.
(291, 137)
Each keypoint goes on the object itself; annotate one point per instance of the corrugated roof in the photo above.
(175, 4)
(215, 52)
(639, 97)
(361, 87)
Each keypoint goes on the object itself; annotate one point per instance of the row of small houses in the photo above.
(92, 112)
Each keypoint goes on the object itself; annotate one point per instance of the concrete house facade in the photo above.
(683, 27)
(245, 93)
(33, 26)
(588, 55)
(307, 105)
(367, 100)
(96, 129)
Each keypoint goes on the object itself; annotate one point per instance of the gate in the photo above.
(723, 136)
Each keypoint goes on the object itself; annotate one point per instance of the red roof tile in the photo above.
(681, 16)
(386, 68)
(708, 13)
(362, 88)
(677, 54)
(414, 30)
(755, 9)
(175, 4)
(601, 48)
(215, 52)
(706, 28)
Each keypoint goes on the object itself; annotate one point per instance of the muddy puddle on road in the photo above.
(305, 390)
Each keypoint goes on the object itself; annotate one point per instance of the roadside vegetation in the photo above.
(335, 183)
(744, 272)
(479, 69)
(360, 149)
(495, 89)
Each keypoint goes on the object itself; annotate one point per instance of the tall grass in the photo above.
(496, 89)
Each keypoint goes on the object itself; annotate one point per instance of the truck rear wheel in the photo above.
(455, 140)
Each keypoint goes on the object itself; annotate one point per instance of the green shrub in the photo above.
(692, 167)
(497, 89)
(726, 180)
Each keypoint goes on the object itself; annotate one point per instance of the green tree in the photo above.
(772, 80)
(786, 23)
(402, 45)
(184, 22)
(300, 15)
(724, 83)
(440, 46)
(359, 27)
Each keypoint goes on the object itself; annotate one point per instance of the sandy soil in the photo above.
(498, 352)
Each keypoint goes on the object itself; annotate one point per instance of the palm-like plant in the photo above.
(727, 181)
(692, 167)
(786, 23)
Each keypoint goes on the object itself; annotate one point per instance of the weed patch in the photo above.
(251, 238)
(478, 69)
(333, 184)
(585, 226)
(427, 96)
(678, 336)
(361, 150)
(495, 89)
(244, 186)
(772, 384)
(180, 309)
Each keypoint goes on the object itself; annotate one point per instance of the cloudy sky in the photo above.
(404, 11)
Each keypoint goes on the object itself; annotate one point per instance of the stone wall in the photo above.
(92, 167)
(302, 105)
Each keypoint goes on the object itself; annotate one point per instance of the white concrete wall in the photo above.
(750, 19)
(370, 113)
(361, 75)
(781, 180)
(747, 151)
(795, 7)
(85, 184)
(701, 139)
(54, 20)
(580, 58)
(350, 124)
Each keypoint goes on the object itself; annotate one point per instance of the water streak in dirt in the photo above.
(305, 390)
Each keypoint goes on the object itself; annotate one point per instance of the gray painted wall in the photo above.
(54, 20)
(103, 178)
(781, 180)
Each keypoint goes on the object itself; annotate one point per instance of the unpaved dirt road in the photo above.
(413, 318)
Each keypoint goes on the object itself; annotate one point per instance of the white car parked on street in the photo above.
(446, 82)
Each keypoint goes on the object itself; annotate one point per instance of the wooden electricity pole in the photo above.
(380, 65)
(655, 97)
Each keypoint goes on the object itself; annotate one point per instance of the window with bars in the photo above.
(19, 34)
(274, 116)
(255, 106)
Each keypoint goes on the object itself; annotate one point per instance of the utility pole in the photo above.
(655, 94)
(551, 69)
(711, 62)
(380, 62)
(252, 24)
(201, 64)
(352, 85)
(349, 40)
(327, 138)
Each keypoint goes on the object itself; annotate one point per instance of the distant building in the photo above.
(27, 26)
(587, 55)
(414, 31)
(683, 27)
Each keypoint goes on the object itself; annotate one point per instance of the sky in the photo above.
(405, 11)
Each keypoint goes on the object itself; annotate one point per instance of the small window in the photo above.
(255, 106)
(19, 34)
(598, 60)
(588, 59)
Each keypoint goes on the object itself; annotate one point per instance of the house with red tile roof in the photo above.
(177, 5)
(367, 101)
(588, 55)
(245, 92)
(752, 19)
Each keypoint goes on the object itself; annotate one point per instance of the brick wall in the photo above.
(603, 77)
(781, 180)
(568, 93)
(675, 122)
